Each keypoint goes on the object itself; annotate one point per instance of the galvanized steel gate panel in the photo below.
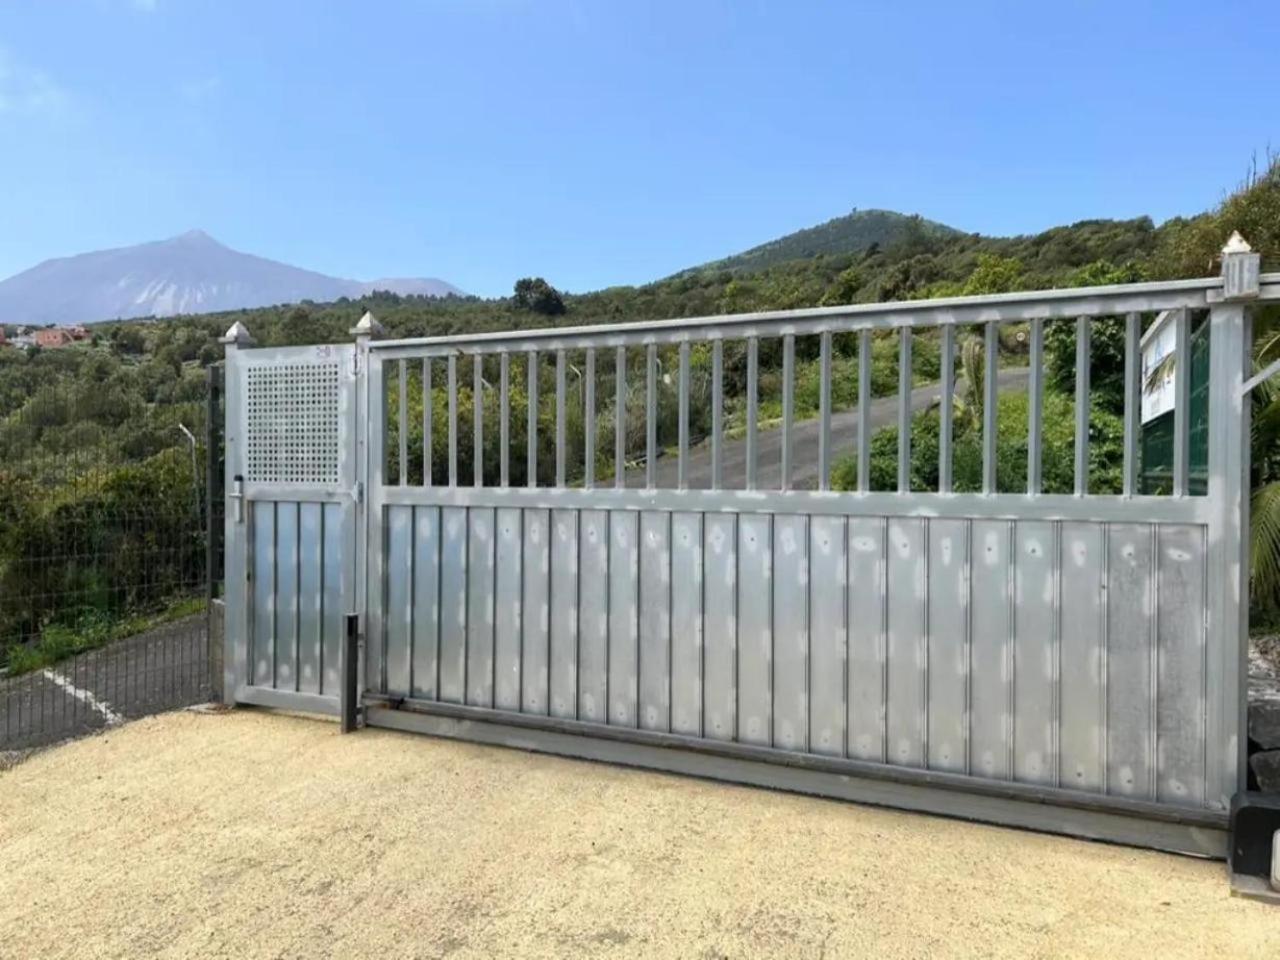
(291, 522)
(1067, 662)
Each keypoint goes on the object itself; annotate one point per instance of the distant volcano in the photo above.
(190, 273)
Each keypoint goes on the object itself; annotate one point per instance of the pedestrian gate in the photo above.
(535, 570)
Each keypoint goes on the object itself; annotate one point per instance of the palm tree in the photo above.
(1264, 532)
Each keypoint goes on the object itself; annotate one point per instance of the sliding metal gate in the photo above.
(1069, 661)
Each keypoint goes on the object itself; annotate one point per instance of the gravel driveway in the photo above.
(245, 834)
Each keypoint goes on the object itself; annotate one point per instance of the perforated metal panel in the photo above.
(292, 419)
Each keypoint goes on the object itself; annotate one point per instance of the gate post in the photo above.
(1228, 601)
(349, 694)
(235, 655)
(366, 330)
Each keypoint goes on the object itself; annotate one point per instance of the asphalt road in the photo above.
(804, 444)
(159, 670)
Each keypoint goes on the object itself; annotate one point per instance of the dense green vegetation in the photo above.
(98, 515)
(855, 232)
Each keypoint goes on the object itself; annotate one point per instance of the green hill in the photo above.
(855, 232)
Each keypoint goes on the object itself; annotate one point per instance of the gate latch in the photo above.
(237, 494)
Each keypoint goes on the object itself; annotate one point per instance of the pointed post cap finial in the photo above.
(368, 326)
(1236, 244)
(1241, 269)
(237, 335)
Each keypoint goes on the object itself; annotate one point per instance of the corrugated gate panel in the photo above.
(1082, 657)
(790, 633)
(263, 577)
(426, 602)
(564, 614)
(755, 629)
(907, 665)
(286, 596)
(508, 616)
(336, 561)
(1180, 674)
(310, 596)
(593, 622)
(624, 622)
(720, 538)
(686, 623)
(828, 594)
(990, 678)
(868, 590)
(1130, 586)
(948, 644)
(480, 600)
(1035, 650)
(399, 611)
(655, 621)
(536, 624)
(453, 604)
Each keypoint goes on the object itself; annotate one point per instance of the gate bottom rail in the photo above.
(1114, 819)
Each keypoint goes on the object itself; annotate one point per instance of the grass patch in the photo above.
(90, 630)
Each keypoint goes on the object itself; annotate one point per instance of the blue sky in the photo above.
(598, 142)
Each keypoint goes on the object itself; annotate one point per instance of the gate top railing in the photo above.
(577, 350)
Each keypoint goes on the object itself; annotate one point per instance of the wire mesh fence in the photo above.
(105, 557)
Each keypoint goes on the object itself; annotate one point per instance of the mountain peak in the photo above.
(189, 273)
(193, 236)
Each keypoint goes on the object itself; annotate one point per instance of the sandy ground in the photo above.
(251, 835)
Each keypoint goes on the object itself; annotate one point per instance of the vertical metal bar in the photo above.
(946, 411)
(589, 421)
(620, 418)
(370, 524)
(1132, 401)
(717, 414)
(1083, 354)
(904, 409)
(651, 416)
(349, 691)
(682, 457)
(477, 417)
(504, 419)
(753, 400)
(1181, 401)
(788, 404)
(402, 421)
(532, 431)
(1035, 409)
(864, 411)
(427, 416)
(453, 420)
(990, 399)
(561, 439)
(1228, 541)
(824, 412)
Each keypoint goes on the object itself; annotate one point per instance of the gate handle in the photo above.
(237, 494)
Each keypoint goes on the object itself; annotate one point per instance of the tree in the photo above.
(1106, 340)
(994, 274)
(534, 293)
(297, 327)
